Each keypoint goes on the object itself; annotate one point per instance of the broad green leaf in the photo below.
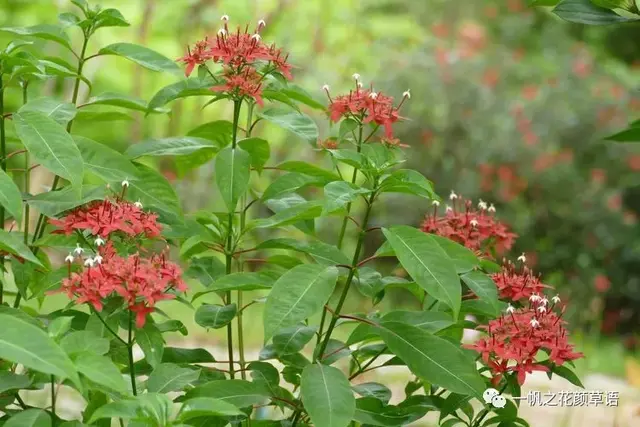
(289, 183)
(181, 89)
(258, 149)
(206, 270)
(168, 377)
(327, 396)
(44, 32)
(12, 243)
(408, 181)
(372, 411)
(52, 203)
(123, 101)
(24, 343)
(61, 112)
(59, 326)
(431, 321)
(143, 56)
(375, 390)
(11, 381)
(110, 18)
(293, 121)
(102, 116)
(433, 359)
(150, 340)
(567, 374)
(427, 263)
(104, 161)
(463, 258)
(296, 295)
(585, 12)
(293, 339)
(215, 316)
(288, 216)
(239, 393)
(186, 355)
(219, 132)
(631, 134)
(297, 93)
(249, 281)
(153, 190)
(125, 409)
(309, 169)
(348, 157)
(29, 418)
(50, 144)
(484, 287)
(322, 252)
(207, 406)
(102, 371)
(232, 172)
(174, 146)
(79, 342)
(338, 194)
(10, 196)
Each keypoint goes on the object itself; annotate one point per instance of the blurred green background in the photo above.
(509, 104)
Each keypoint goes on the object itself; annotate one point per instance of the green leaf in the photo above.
(150, 340)
(233, 167)
(215, 316)
(143, 56)
(174, 146)
(484, 287)
(23, 342)
(104, 161)
(59, 326)
(29, 418)
(327, 396)
(50, 144)
(631, 134)
(463, 258)
(206, 270)
(240, 393)
(152, 189)
(585, 12)
(296, 295)
(375, 390)
(293, 339)
(432, 358)
(238, 282)
(123, 101)
(168, 377)
(309, 169)
(338, 194)
(12, 243)
(427, 264)
(79, 342)
(181, 89)
(186, 355)
(207, 406)
(110, 18)
(219, 132)
(44, 32)
(102, 116)
(297, 93)
(10, 196)
(11, 381)
(409, 182)
(348, 157)
(567, 374)
(322, 252)
(61, 112)
(258, 149)
(293, 121)
(53, 203)
(289, 183)
(288, 216)
(431, 321)
(125, 409)
(102, 371)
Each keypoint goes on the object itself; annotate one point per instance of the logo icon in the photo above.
(493, 397)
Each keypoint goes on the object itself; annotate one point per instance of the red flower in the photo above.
(478, 230)
(517, 336)
(514, 285)
(244, 84)
(197, 57)
(104, 217)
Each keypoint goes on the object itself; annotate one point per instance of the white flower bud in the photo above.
(435, 203)
(99, 241)
(534, 323)
(97, 259)
(222, 32)
(125, 183)
(534, 298)
(88, 262)
(325, 88)
(256, 37)
(359, 84)
(453, 195)
(474, 223)
(492, 208)
(449, 209)
(482, 205)
(138, 204)
(510, 309)
(224, 18)
(356, 76)
(522, 258)
(544, 301)
(69, 259)
(555, 299)
(261, 23)
(407, 94)
(78, 250)
(373, 95)
(542, 309)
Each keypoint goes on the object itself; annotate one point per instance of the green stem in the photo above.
(20, 401)
(3, 162)
(352, 272)
(132, 371)
(343, 229)
(116, 336)
(53, 399)
(482, 415)
(237, 104)
(366, 365)
(27, 188)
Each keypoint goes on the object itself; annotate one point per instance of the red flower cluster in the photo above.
(141, 282)
(239, 53)
(478, 230)
(514, 285)
(366, 106)
(105, 217)
(516, 338)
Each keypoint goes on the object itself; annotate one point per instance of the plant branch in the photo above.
(116, 336)
(364, 367)
(132, 370)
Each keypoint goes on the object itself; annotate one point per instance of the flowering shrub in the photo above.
(117, 264)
